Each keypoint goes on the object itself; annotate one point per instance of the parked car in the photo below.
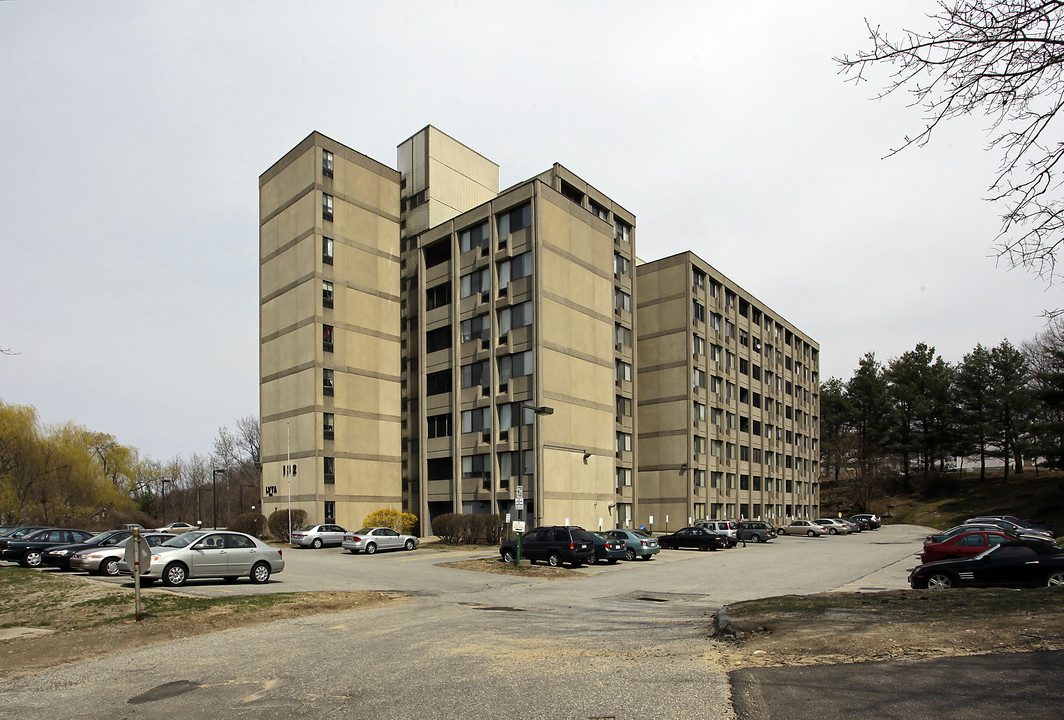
(176, 528)
(20, 531)
(756, 531)
(379, 538)
(863, 523)
(833, 526)
(556, 544)
(316, 536)
(606, 548)
(1014, 525)
(874, 520)
(694, 537)
(210, 554)
(29, 550)
(103, 560)
(1023, 563)
(729, 528)
(958, 529)
(854, 527)
(60, 555)
(638, 543)
(965, 544)
(802, 527)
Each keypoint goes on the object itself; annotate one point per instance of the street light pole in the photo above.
(214, 494)
(540, 410)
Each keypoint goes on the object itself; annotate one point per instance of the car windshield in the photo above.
(363, 531)
(184, 540)
(99, 537)
(641, 534)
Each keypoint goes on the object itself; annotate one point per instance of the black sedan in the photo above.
(60, 555)
(694, 537)
(1024, 563)
(28, 551)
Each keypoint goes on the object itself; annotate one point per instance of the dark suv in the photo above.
(556, 544)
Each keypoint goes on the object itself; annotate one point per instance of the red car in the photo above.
(964, 545)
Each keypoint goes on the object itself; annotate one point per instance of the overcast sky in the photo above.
(134, 134)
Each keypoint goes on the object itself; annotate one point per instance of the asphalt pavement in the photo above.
(621, 641)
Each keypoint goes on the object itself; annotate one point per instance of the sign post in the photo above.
(519, 505)
(138, 559)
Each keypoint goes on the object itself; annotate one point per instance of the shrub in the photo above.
(455, 528)
(252, 523)
(394, 519)
(278, 523)
(448, 528)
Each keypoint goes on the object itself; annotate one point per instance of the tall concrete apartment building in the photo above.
(433, 344)
(728, 400)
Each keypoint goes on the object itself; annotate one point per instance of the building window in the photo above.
(621, 230)
(510, 464)
(699, 411)
(474, 466)
(477, 373)
(698, 279)
(700, 445)
(326, 207)
(330, 511)
(513, 220)
(744, 366)
(698, 311)
(330, 470)
(327, 425)
(439, 469)
(623, 335)
(515, 316)
(475, 282)
(476, 420)
(624, 515)
(623, 370)
(516, 365)
(624, 441)
(744, 453)
(698, 378)
(437, 383)
(699, 479)
(595, 209)
(622, 300)
(624, 406)
(437, 296)
(438, 339)
(699, 344)
(326, 294)
(744, 338)
(510, 416)
(716, 448)
(515, 268)
(326, 163)
(327, 250)
(716, 353)
(439, 425)
(621, 265)
(476, 328)
(437, 253)
(755, 372)
(714, 321)
(327, 382)
(474, 237)
(624, 478)
(327, 338)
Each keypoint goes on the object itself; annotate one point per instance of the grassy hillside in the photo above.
(955, 497)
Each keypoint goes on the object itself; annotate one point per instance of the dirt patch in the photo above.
(861, 627)
(57, 632)
(498, 567)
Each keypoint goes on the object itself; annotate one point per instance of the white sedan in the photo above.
(210, 554)
(802, 527)
(371, 540)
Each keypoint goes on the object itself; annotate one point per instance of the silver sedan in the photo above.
(104, 560)
(802, 527)
(317, 535)
(371, 540)
(211, 554)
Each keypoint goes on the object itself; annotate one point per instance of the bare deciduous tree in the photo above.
(1003, 59)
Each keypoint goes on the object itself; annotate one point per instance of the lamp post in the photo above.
(214, 493)
(540, 410)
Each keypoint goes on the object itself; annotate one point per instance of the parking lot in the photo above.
(620, 641)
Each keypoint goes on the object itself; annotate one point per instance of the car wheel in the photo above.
(811, 534)
(1055, 579)
(508, 556)
(175, 575)
(781, 531)
(230, 578)
(260, 573)
(703, 547)
(592, 561)
(663, 545)
(555, 560)
(833, 531)
(758, 539)
(939, 581)
(31, 558)
(371, 548)
(409, 545)
(629, 554)
(109, 567)
(316, 544)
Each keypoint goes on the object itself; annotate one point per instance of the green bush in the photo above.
(252, 523)
(469, 529)
(278, 523)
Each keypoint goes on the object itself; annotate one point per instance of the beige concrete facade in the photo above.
(728, 401)
(411, 319)
(330, 396)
